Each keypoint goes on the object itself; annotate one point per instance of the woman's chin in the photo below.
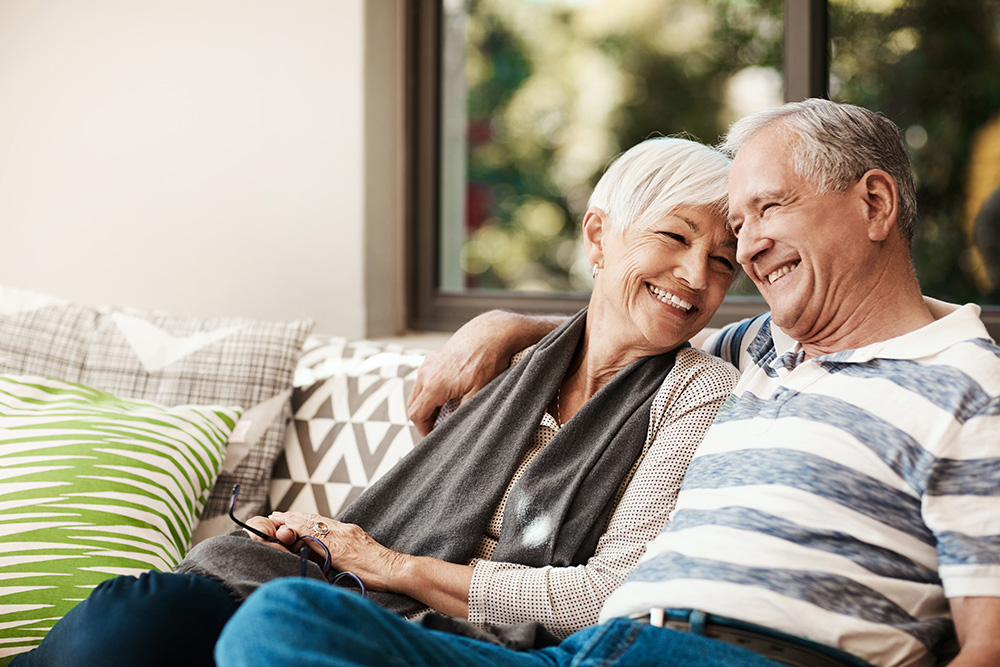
(675, 328)
(666, 340)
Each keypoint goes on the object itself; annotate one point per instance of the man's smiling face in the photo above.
(802, 248)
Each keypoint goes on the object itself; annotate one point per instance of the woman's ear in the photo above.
(594, 224)
(881, 198)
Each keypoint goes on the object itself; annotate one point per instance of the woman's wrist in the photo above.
(403, 574)
(438, 584)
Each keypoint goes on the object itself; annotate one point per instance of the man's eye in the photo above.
(676, 237)
(725, 263)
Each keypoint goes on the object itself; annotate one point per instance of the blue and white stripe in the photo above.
(842, 498)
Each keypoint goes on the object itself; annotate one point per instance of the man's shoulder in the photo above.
(957, 322)
(957, 338)
(749, 340)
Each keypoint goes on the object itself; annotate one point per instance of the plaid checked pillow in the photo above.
(170, 360)
(349, 424)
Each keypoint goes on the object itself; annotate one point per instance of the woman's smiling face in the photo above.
(664, 281)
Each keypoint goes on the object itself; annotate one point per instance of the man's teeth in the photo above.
(671, 299)
(777, 273)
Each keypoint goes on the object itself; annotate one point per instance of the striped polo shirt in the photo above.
(842, 498)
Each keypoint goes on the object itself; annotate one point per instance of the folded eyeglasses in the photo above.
(299, 546)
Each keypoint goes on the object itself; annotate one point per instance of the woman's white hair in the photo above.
(658, 176)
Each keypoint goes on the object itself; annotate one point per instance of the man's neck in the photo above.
(881, 313)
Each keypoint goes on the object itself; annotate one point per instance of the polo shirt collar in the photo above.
(952, 324)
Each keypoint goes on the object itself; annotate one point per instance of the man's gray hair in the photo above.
(838, 143)
(656, 177)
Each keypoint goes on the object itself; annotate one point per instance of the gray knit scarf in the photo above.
(438, 500)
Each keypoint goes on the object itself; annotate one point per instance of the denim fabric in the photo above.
(311, 624)
(159, 619)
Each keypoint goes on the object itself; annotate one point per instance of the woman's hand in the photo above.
(351, 549)
(265, 525)
(437, 583)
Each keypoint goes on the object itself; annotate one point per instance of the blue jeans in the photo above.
(311, 624)
(159, 619)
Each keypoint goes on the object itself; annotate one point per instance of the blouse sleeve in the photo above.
(566, 599)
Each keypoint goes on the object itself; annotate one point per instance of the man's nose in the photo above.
(751, 242)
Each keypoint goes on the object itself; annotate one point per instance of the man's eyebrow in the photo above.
(767, 195)
(730, 243)
(754, 201)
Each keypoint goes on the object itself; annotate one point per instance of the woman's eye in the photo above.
(676, 237)
(765, 207)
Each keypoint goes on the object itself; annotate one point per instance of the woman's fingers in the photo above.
(286, 535)
(270, 528)
(304, 523)
(314, 529)
(262, 524)
(424, 402)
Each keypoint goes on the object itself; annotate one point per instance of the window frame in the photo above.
(805, 72)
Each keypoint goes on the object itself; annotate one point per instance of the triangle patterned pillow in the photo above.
(349, 424)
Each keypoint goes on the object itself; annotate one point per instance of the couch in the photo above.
(124, 431)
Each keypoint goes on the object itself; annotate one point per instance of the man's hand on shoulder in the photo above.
(470, 359)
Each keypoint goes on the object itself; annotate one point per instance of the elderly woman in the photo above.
(534, 499)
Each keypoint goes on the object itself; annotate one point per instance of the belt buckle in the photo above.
(657, 617)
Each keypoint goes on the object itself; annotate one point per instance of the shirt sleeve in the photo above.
(961, 505)
(566, 599)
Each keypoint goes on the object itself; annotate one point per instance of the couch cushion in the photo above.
(349, 424)
(170, 360)
(92, 486)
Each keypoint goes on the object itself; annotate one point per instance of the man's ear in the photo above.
(595, 224)
(881, 200)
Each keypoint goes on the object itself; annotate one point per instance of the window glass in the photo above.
(538, 96)
(932, 68)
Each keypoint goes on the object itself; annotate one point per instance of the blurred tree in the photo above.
(931, 67)
(558, 89)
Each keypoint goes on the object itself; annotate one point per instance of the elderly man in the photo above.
(844, 508)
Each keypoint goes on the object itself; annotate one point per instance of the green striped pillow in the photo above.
(93, 486)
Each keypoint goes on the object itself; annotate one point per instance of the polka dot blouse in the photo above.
(566, 599)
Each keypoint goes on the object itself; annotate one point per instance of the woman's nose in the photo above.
(693, 270)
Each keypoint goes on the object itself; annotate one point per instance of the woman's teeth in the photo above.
(670, 299)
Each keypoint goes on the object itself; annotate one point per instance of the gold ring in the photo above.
(320, 528)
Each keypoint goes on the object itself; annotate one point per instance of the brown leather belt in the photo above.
(770, 644)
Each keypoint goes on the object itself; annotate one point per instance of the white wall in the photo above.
(206, 157)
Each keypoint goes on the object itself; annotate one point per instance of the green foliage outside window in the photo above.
(932, 68)
(557, 88)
